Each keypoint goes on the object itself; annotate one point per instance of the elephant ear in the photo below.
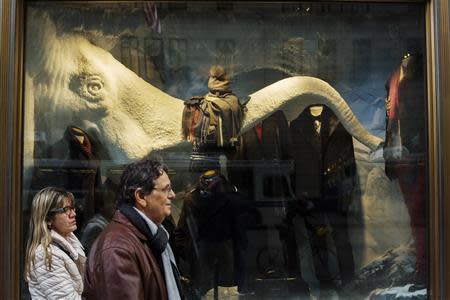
(292, 95)
(41, 38)
(39, 29)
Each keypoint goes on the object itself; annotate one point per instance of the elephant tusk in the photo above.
(292, 95)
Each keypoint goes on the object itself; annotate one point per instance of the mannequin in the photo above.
(405, 147)
(75, 165)
(78, 133)
(324, 175)
(316, 111)
(212, 123)
(268, 141)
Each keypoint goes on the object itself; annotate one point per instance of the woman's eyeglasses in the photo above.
(65, 209)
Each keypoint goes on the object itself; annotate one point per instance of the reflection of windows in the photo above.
(224, 6)
(360, 8)
(143, 56)
(289, 7)
(275, 186)
(129, 53)
(225, 49)
(325, 8)
(326, 60)
(177, 6)
(414, 45)
(153, 58)
(177, 52)
(293, 55)
(153, 47)
(361, 60)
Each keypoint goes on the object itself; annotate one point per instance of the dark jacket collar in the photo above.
(120, 218)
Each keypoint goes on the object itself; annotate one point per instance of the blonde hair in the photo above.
(43, 203)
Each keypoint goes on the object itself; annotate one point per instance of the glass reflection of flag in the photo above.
(151, 16)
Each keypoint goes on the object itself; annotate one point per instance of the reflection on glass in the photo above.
(304, 199)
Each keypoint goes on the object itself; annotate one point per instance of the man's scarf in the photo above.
(157, 242)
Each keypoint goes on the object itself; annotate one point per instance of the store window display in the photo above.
(73, 162)
(212, 122)
(405, 147)
(325, 171)
(210, 234)
(117, 85)
(105, 206)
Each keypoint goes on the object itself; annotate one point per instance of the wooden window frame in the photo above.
(11, 134)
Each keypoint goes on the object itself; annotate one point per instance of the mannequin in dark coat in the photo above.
(268, 145)
(325, 173)
(268, 140)
(210, 232)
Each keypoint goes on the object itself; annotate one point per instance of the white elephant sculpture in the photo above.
(71, 80)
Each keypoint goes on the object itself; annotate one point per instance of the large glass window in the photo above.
(326, 151)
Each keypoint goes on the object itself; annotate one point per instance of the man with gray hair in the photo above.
(132, 258)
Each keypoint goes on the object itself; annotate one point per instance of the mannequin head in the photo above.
(412, 63)
(316, 110)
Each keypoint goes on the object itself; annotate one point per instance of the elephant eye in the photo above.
(88, 86)
(94, 87)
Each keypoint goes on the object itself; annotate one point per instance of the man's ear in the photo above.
(139, 198)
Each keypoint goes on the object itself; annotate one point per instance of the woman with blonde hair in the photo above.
(55, 260)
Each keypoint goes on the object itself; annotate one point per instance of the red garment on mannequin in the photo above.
(393, 94)
(405, 119)
(413, 190)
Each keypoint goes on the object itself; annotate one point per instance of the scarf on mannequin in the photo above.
(218, 82)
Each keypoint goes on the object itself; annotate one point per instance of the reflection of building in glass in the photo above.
(153, 59)
(177, 53)
(224, 6)
(326, 60)
(177, 6)
(293, 56)
(313, 39)
(143, 56)
(225, 49)
(361, 60)
(130, 53)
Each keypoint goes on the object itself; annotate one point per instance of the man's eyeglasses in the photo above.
(165, 190)
(65, 209)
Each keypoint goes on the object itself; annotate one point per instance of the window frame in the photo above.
(11, 133)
